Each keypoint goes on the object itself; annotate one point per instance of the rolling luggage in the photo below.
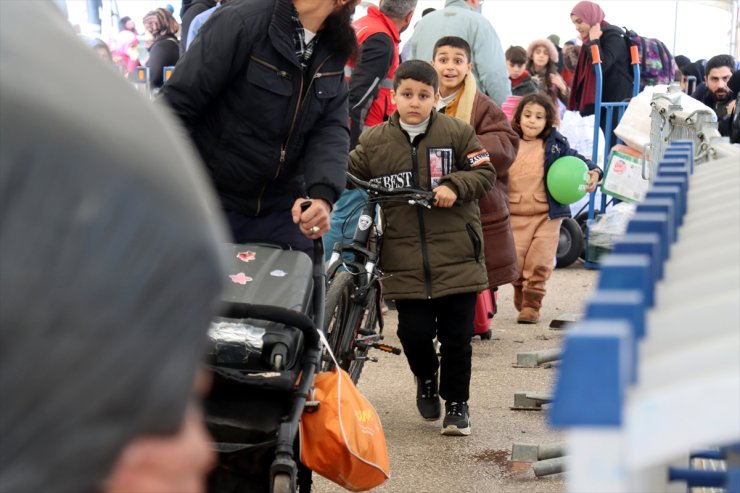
(485, 309)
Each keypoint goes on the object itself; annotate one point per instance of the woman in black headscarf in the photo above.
(165, 49)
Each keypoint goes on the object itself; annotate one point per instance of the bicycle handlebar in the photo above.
(424, 198)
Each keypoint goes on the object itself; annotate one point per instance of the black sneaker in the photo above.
(457, 420)
(427, 398)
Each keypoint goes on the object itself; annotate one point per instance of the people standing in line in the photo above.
(692, 78)
(716, 93)
(370, 85)
(516, 66)
(571, 52)
(588, 19)
(110, 256)
(263, 96)
(125, 52)
(190, 10)
(460, 98)
(434, 258)
(462, 18)
(102, 51)
(555, 40)
(535, 214)
(542, 65)
(126, 31)
(733, 108)
(164, 50)
(406, 51)
(521, 82)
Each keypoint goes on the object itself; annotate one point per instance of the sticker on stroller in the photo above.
(278, 273)
(241, 278)
(246, 256)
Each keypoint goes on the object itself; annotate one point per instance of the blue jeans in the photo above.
(344, 219)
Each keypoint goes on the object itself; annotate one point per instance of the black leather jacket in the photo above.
(268, 131)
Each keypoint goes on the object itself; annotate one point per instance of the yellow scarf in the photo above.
(462, 106)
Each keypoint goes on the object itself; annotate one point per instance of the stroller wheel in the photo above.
(283, 483)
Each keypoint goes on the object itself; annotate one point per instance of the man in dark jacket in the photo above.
(262, 93)
(718, 94)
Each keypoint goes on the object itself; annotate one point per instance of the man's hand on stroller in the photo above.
(314, 221)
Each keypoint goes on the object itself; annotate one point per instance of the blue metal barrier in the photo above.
(604, 370)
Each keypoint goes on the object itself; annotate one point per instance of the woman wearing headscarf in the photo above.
(165, 49)
(588, 19)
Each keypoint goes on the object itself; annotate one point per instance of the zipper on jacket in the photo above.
(299, 103)
(285, 75)
(281, 73)
(422, 229)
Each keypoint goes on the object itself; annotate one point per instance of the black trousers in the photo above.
(450, 319)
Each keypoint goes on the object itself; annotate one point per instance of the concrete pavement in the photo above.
(422, 460)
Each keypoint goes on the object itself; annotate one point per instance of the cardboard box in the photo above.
(623, 177)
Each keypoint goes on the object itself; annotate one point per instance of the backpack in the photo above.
(656, 62)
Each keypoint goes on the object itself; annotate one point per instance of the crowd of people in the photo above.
(278, 98)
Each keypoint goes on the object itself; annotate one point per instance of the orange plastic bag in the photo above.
(343, 439)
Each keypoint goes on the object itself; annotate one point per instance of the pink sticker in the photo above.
(246, 256)
(241, 278)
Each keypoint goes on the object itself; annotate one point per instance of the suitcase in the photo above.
(485, 309)
(244, 350)
(250, 392)
(253, 390)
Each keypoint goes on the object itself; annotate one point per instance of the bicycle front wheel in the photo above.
(367, 317)
(336, 318)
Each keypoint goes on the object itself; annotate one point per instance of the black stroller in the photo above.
(264, 353)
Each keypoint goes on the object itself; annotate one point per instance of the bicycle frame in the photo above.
(364, 259)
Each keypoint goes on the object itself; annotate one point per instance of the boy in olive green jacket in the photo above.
(434, 258)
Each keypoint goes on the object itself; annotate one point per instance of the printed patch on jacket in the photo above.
(401, 179)
(477, 158)
(440, 163)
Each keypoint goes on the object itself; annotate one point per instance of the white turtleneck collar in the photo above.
(414, 130)
(444, 101)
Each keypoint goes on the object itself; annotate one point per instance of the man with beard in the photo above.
(261, 91)
(717, 94)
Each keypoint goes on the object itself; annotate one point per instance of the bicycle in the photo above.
(353, 317)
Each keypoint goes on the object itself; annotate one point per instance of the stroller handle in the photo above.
(274, 314)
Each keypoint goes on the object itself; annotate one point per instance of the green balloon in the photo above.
(567, 179)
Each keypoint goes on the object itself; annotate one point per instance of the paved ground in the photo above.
(422, 460)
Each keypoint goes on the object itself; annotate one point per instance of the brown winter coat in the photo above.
(495, 133)
(428, 253)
